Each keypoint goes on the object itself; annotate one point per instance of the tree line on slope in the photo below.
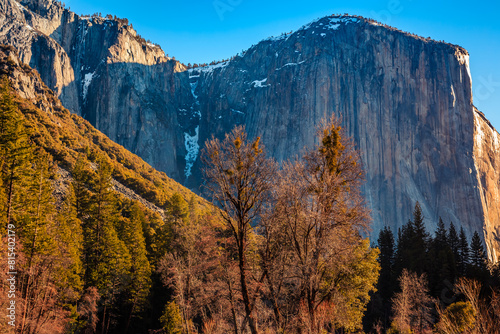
(83, 257)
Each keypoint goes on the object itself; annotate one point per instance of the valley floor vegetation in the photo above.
(282, 250)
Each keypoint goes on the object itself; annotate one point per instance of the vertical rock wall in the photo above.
(405, 100)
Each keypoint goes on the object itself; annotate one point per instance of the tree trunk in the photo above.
(10, 195)
(277, 313)
(47, 292)
(244, 289)
(130, 317)
(231, 301)
(103, 320)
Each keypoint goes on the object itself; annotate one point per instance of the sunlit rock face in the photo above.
(405, 100)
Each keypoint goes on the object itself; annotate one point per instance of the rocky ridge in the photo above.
(68, 138)
(406, 100)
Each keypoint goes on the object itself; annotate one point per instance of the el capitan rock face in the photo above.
(406, 101)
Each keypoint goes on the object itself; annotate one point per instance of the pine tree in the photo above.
(463, 253)
(172, 319)
(99, 223)
(179, 208)
(50, 274)
(80, 187)
(139, 281)
(403, 256)
(107, 259)
(40, 210)
(69, 237)
(112, 273)
(38, 244)
(440, 261)
(420, 241)
(453, 240)
(441, 238)
(478, 260)
(179, 217)
(387, 278)
(412, 246)
(193, 209)
(15, 151)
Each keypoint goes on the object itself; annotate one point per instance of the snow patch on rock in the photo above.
(209, 69)
(336, 22)
(86, 83)
(192, 149)
(193, 89)
(259, 83)
(291, 64)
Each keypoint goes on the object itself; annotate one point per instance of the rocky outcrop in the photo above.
(68, 138)
(103, 70)
(405, 100)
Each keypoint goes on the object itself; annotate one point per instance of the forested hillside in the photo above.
(87, 220)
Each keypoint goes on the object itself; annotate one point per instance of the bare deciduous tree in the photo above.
(239, 177)
(313, 249)
(412, 306)
(486, 311)
(201, 275)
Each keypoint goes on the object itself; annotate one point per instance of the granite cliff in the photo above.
(406, 100)
(67, 138)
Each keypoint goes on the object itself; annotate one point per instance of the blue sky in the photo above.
(199, 31)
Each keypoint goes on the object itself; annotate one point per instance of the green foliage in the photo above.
(459, 317)
(139, 275)
(332, 148)
(39, 210)
(440, 263)
(69, 236)
(48, 264)
(178, 207)
(172, 319)
(15, 153)
(355, 286)
(413, 242)
(463, 253)
(478, 260)
(453, 240)
(68, 138)
(386, 281)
